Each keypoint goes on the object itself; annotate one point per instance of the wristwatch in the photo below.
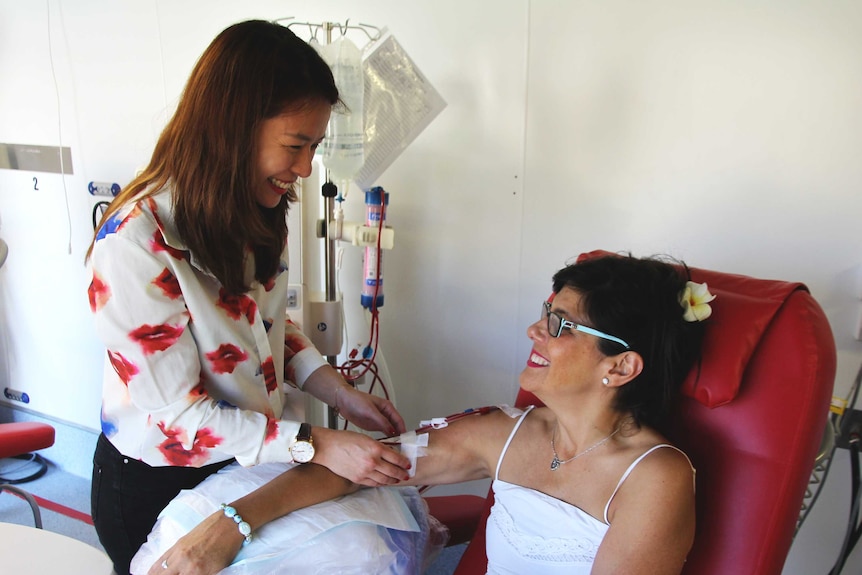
(302, 448)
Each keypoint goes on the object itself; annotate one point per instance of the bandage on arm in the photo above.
(414, 444)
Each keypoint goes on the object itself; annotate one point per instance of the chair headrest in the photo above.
(741, 314)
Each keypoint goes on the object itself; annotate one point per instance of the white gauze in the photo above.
(413, 446)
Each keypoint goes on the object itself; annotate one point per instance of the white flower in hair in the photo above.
(695, 302)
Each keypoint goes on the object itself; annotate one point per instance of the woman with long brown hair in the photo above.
(189, 294)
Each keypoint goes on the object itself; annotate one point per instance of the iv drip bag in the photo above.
(344, 146)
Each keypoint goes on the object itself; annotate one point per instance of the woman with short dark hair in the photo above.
(585, 484)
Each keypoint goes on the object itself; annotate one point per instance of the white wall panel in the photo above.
(724, 133)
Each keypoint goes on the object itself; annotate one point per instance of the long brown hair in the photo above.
(252, 71)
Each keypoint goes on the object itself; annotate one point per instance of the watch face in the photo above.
(302, 451)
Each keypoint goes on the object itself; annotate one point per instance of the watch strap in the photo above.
(304, 433)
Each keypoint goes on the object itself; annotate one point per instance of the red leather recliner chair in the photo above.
(751, 421)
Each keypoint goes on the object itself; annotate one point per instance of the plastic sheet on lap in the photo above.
(380, 524)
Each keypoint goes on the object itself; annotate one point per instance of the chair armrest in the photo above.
(460, 513)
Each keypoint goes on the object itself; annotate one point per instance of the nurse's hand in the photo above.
(370, 412)
(358, 458)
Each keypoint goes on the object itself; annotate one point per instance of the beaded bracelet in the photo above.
(244, 527)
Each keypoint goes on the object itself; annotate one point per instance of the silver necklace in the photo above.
(556, 462)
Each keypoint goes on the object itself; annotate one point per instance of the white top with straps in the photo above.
(531, 532)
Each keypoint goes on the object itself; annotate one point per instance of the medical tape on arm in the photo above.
(512, 412)
(413, 446)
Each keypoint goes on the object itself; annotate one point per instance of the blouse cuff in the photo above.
(305, 363)
(277, 451)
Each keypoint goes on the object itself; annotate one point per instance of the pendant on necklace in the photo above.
(555, 463)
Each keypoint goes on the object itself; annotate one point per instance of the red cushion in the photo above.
(24, 437)
(740, 301)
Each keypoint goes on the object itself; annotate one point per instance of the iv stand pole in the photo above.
(329, 193)
(329, 253)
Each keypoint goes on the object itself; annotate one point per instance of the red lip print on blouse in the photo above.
(271, 430)
(125, 369)
(237, 305)
(268, 368)
(168, 283)
(158, 244)
(226, 358)
(200, 390)
(293, 344)
(136, 211)
(99, 293)
(153, 338)
(174, 452)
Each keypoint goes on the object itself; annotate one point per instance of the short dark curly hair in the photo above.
(638, 300)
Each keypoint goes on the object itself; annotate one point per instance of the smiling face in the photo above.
(573, 359)
(286, 146)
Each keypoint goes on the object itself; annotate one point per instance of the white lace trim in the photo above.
(551, 549)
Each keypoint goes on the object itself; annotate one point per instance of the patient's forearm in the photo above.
(301, 487)
(214, 542)
(452, 456)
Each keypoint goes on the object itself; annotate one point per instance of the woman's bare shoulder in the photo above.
(482, 435)
(662, 472)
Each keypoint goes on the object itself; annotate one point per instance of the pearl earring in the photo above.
(605, 381)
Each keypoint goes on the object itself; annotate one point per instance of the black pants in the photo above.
(127, 496)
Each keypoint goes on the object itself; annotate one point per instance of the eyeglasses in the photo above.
(557, 323)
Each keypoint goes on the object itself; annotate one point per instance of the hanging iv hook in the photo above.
(372, 32)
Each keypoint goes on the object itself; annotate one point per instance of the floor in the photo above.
(56, 486)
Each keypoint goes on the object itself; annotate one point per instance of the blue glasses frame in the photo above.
(557, 323)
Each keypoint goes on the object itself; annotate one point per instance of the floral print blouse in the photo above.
(193, 375)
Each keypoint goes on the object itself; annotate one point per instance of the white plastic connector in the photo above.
(362, 235)
(339, 222)
(435, 422)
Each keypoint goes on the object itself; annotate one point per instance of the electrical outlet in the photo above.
(103, 189)
(15, 395)
(851, 424)
(294, 297)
